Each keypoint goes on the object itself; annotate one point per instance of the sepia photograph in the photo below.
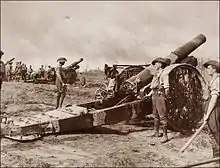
(110, 84)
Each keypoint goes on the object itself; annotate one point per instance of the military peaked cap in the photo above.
(162, 60)
(213, 63)
(61, 59)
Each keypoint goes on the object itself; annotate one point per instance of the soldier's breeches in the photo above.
(159, 108)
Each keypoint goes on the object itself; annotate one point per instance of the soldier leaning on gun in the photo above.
(213, 107)
(160, 87)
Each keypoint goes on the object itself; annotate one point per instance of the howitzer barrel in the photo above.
(179, 54)
(9, 61)
(125, 65)
(76, 62)
(184, 50)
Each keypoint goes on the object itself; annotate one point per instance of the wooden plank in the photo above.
(24, 121)
(56, 114)
(43, 117)
(74, 110)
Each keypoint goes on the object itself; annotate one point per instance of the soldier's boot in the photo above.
(156, 130)
(215, 154)
(165, 137)
(58, 100)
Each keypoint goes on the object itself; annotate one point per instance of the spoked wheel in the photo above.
(103, 86)
(100, 93)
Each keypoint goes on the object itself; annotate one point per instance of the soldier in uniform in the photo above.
(30, 71)
(160, 88)
(107, 71)
(9, 71)
(23, 71)
(60, 82)
(213, 107)
(41, 71)
(18, 71)
(2, 70)
(48, 72)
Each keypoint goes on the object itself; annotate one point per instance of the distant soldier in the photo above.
(53, 74)
(23, 71)
(213, 108)
(60, 82)
(9, 71)
(30, 71)
(48, 72)
(160, 89)
(113, 74)
(18, 71)
(41, 71)
(107, 71)
(2, 70)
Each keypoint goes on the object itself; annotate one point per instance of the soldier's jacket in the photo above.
(214, 87)
(60, 70)
(18, 69)
(9, 69)
(159, 81)
(23, 68)
(30, 70)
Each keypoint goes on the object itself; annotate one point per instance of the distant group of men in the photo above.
(18, 73)
(22, 73)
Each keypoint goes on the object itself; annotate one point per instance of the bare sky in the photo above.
(105, 32)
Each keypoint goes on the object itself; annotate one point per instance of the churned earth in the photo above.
(118, 145)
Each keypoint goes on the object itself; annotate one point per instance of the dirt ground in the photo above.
(117, 145)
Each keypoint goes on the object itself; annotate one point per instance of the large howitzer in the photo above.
(184, 102)
(185, 105)
(70, 74)
(129, 86)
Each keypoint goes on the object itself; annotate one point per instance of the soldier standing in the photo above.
(2, 69)
(2, 74)
(213, 108)
(23, 71)
(160, 89)
(48, 72)
(9, 71)
(113, 80)
(60, 82)
(30, 71)
(18, 71)
(41, 71)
